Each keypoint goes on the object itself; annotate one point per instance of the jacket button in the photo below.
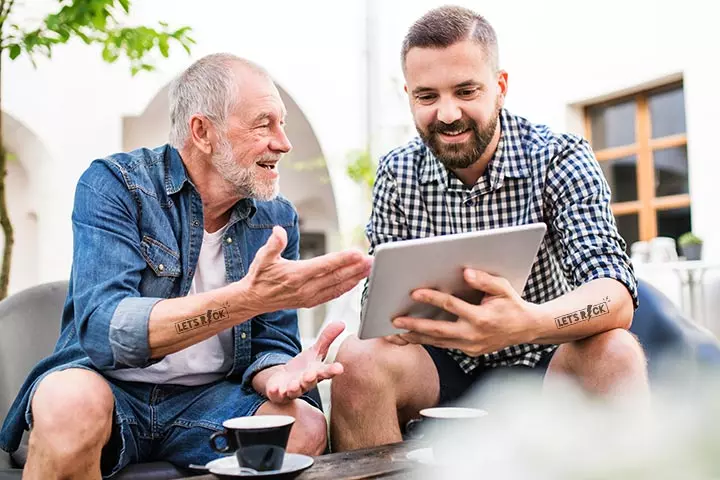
(228, 239)
(243, 335)
(161, 267)
(195, 223)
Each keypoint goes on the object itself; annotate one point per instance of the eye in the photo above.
(467, 92)
(426, 97)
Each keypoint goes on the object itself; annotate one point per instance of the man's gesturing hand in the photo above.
(274, 283)
(304, 371)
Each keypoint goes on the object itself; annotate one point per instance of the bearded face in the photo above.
(439, 136)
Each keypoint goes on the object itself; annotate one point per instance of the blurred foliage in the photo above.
(361, 169)
(94, 22)
(318, 165)
(689, 238)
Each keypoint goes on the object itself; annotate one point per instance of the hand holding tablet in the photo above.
(438, 263)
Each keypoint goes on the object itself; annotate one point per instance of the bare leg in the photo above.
(383, 386)
(609, 364)
(309, 433)
(72, 421)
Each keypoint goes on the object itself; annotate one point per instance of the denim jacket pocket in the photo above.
(165, 268)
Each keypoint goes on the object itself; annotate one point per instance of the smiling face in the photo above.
(246, 155)
(455, 97)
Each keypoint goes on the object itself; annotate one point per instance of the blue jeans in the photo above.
(171, 423)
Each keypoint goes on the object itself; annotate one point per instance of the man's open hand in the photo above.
(304, 371)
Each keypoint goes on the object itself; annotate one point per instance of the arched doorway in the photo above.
(304, 179)
(25, 159)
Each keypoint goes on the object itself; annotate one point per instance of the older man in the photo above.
(185, 277)
(477, 166)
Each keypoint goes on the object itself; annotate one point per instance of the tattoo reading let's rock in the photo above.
(202, 320)
(584, 314)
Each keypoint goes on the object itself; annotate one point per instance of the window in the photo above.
(641, 144)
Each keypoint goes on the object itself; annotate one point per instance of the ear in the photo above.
(202, 133)
(502, 79)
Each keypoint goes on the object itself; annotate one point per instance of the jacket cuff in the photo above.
(262, 362)
(128, 332)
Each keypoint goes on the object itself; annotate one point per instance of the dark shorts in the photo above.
(169, 422)
(455, 384)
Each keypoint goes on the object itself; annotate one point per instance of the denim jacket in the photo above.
(138, 228)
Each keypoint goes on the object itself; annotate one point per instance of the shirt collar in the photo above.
(176, 176)
(509, 159)
(175, 173)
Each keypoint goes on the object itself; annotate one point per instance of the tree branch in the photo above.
(5, 12)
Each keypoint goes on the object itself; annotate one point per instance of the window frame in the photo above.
(647, 205)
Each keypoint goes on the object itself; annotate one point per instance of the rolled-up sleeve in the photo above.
(129, 330)
(582, 225)
(111, 318)
(275, 336)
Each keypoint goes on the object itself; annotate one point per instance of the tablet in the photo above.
(438, 263)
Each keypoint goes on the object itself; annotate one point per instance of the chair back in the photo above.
(668, 337)
(29, 329)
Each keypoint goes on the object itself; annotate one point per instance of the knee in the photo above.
(616, 349)
(309, 432)
(74, 407)
(364, 365)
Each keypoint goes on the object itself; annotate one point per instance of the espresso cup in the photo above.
(447, 429)
(259, 442)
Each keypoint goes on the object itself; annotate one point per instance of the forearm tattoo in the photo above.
(203, 320)
(584, 314)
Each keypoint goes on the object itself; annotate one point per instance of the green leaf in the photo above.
(109, 54)
(83, 37)
(14, 51)
(164, 46)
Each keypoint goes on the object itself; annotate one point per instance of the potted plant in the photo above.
(691, 246)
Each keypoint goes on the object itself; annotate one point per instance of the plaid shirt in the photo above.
(534, 176)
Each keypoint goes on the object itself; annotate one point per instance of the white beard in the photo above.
(244, 180)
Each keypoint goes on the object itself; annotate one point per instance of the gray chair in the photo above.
(678, 350)
(29, 322)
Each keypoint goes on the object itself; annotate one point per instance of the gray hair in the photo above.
(448, 25)
(208, 87)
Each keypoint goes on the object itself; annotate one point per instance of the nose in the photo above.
(448, 111)
(281, 143)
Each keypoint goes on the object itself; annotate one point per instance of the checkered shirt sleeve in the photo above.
(583, 230)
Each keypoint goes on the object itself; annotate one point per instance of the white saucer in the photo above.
(422, 455)
(227, 467)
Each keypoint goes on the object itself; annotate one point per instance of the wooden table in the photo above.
(387, 462)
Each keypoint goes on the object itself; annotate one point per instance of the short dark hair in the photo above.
(448, 25)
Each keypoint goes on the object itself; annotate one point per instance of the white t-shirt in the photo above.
(208, 360)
